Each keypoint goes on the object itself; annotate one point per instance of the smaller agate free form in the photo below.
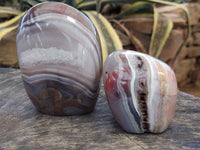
(60, 59)
(141, 91)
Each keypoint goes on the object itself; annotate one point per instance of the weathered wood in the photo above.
(23, 127)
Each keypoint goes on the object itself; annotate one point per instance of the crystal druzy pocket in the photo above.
(141, 91)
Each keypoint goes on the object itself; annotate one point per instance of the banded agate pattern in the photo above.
(141, 91)
(60, 59)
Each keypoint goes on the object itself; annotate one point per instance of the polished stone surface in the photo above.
(23, 127)
(60, 59)
(141, 91)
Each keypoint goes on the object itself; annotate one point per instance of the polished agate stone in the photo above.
(141, 91)
(60, 59)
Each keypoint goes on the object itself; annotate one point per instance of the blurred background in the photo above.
(167, 30)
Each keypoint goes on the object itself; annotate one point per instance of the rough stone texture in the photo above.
(183, 68)
(23, 127)
(134, 23)
(196, 28)
(194, 75)
(193, 12)
(194, 51)
(196, 38)
(172, 45)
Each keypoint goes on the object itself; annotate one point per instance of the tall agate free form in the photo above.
(60, 59)
(141, 91)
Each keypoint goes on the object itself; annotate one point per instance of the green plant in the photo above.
(162, 25)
